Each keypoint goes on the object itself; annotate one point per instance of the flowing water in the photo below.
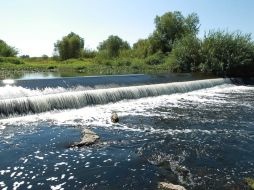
(199, 134)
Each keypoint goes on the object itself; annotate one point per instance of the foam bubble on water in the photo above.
(52, 179)
(39, 157)
(57, 187)
(19, 174)
(2, 172)
(61, 163)
(16, 184)
(2, 184)
(63, 176)
(108, 160)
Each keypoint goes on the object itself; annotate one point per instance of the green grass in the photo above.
(83, 66)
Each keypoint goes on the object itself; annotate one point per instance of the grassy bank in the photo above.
(9, 66)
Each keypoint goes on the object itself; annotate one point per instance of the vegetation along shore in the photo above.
(173, 46)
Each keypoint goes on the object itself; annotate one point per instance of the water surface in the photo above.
(201, 139)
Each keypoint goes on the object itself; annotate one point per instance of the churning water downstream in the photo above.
(199, 134)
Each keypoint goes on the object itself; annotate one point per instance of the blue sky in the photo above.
(33, 26)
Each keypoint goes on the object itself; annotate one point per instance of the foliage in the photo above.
(6, 50)
(155, 59)
(88, 53)
(173, 45)
(12, 60)
(112, 46)
(221, 53)
(224, 53)
(70, 46)
(170, 27)
(187, 53)
(141, 48)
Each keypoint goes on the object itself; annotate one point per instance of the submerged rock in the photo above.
(89, 138)
(114, 118)
(170, 186)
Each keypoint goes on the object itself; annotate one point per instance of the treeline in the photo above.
(174, 42)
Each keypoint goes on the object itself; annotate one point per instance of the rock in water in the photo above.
(114, 118)
(170, 186)
(89, 138)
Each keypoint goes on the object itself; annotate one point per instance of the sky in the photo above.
(33, 26)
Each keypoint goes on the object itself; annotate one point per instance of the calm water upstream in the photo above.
(199, 134)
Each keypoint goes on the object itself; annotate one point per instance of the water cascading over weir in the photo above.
(21, 101)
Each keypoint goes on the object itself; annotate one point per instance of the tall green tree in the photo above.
(6, 50)
(71, 46)
(170, 27)
(113, 45)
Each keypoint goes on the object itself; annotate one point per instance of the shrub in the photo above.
(221, 53)
(187, 54)
(122, 62)
(155, 59)
(6, 50)
(224, 53)
(12, 60)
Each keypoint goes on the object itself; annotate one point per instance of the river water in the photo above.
(201, 139)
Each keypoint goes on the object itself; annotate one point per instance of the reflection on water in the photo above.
(48, 75)
(40, 75)
(27, 75)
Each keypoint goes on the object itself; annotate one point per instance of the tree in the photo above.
(71, 46)
(113, 45)
(170, 27)
(6, 50)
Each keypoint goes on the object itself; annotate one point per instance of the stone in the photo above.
(114, 118)
(170, 186)
(89, 138)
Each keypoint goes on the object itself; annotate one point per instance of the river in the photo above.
(200, 136)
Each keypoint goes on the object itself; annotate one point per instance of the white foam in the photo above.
(61, 163)
(99, 115)
(57, 187)
(2, 127)
(39, 157)
(52, 179)
(16, 184)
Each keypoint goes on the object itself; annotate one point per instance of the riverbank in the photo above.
(16, 67)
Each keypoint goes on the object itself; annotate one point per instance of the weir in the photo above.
(77, 99)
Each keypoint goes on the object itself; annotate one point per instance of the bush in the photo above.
(155, 59)
(6, 50)
(122, 62)
(224, 53)
(87, 53)
(221, 53)
(12, 60)
(70, 46)
(187, 54)
(113, 45)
